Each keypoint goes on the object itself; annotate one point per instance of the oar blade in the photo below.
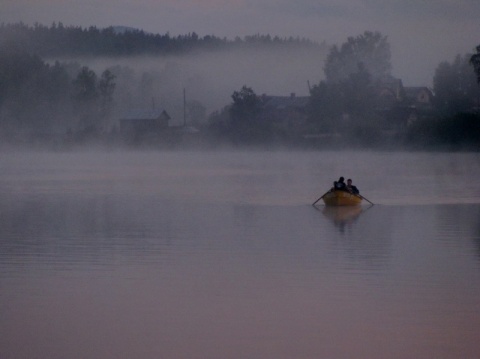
(314, 203)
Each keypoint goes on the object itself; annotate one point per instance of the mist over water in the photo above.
(211, 77)
(221, 255)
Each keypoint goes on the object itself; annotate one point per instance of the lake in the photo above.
(215, 255)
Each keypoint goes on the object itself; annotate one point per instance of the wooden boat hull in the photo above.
(341, 198)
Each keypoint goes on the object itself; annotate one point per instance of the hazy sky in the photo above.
(422, 33)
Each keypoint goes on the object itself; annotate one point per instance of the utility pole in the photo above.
(184, 108)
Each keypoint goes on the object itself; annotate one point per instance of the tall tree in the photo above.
(343, 105)
(371, 50)
(85, 97)
(325, 107)
(106, 89)
(475, 61)
(455, 86)
(246, 125)
(85, 86)
(246, 103)
(359, 94)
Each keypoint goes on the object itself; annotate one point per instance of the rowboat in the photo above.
(341, 198)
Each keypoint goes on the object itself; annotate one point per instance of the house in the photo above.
(400, 105)
(143, 122)
(418, 96)
(419, 102)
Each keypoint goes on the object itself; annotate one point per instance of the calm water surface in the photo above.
(221, 255)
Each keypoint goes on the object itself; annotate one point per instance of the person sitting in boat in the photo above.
(351, 188)
(340, 185)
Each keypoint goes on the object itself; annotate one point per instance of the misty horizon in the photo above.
(421, 34)
(349, 88)
(424, 78)
(211, 77)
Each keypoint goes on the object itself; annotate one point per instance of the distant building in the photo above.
(401, 105)
(418, 103)
(418, 96)
(144, 122)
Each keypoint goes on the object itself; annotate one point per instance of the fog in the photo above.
(422, 33)
(211, 77)
(359, 104)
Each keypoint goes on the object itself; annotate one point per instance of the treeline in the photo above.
(360, 103)
(455, 123)
(46, 101)
(41, 101)
(362, 100)
(46, 94)
(58, 40)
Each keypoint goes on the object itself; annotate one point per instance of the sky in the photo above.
(422, 33)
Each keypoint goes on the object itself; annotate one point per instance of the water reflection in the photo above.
(63, 231)
(225, 258)
(361, 235)
(343, 217)
(458, 225)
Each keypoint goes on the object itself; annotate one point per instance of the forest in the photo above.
(62, 41)
(48, 96)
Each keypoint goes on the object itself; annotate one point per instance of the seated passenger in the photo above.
(340, 184)
(351, 188)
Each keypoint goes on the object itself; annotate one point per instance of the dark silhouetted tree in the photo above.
(475, 61)
(346, 106)
(455, 86)
(85, 97)
(325, 107)
(246, 104)
(359, 94)
(246, 124)
(85, 86)
(33, 94)
(106, 89)
(60, 40)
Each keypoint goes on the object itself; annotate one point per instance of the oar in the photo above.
(313, 204)
(366, 199)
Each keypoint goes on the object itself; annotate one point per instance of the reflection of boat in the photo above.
(343, 217)
(342, 214)
(341, 198)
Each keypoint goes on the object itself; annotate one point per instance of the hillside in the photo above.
(67, 41)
